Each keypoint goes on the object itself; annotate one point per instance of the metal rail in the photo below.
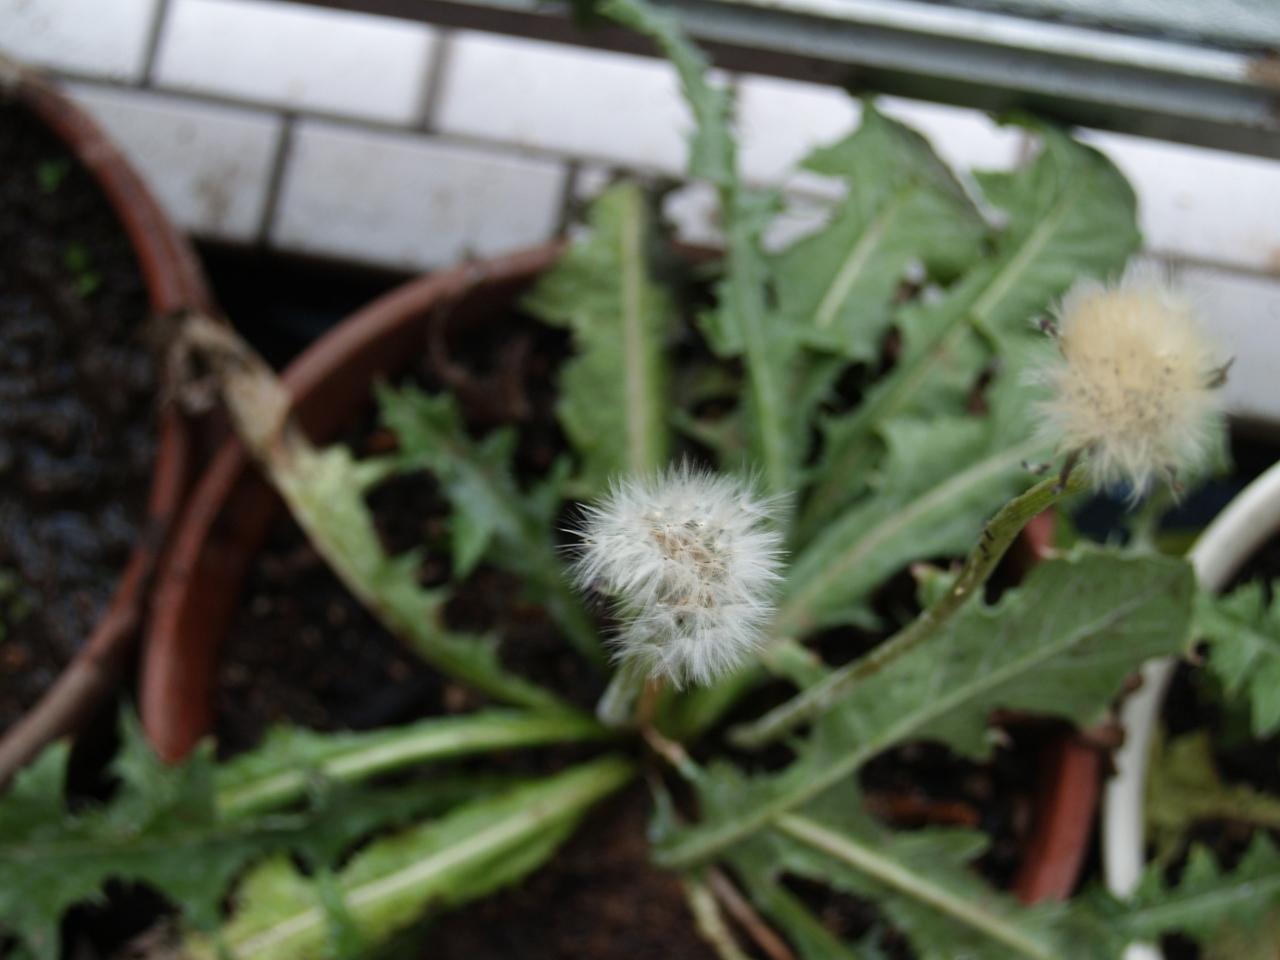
(1225, 96)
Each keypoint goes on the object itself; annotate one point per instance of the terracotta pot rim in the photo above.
(174, 703)
(174, 685)
(175, 283)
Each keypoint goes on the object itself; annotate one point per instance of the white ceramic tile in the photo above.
(694, 215)
(693, 212)
(966, 139)
(547, 96)
(1243, 313)
(303, 58)
(1202, 204)
(410, 201)
(800, 216)
(783, 120)
(90, 37)
(208, 165)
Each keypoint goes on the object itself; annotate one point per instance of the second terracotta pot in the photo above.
(175, 284)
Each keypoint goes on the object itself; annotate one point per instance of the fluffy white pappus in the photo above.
(1134, 383)
(693, 560)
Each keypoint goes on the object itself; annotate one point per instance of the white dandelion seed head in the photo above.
(693, 560)
(1133, 383)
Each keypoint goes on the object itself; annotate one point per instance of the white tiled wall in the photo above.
(552, 97)
(75, 36)
(388, 142)
(1245, 311)
(782, 120)
(1202, 204)
(208, 164)
(297, 57)
(410, 202)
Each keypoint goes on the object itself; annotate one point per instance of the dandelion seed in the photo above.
(1133, 387)
(692, 560)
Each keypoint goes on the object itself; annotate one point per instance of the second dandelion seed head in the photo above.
(692, 559)
(1133, 387)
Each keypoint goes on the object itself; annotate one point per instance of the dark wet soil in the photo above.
(598, 899)
(78, 384)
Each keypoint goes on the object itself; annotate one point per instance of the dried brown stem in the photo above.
(740, 908)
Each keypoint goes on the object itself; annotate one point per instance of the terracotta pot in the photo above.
(175, 284)
(231, 510)
(1068, 783)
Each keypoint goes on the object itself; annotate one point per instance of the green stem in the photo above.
(996, 539)
(970, 912)
(709, 920)
(361, 756)
(617, 705)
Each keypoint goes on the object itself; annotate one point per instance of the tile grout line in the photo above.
(498, 147)
(433, 90)
(569, 205)
(153, 43)
(275, 178)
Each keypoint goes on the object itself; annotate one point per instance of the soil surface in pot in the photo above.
(301, 649)
(78, 380)
(598, 899)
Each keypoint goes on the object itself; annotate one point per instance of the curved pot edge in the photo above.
(1067, 785)
(175, 283)
(1242, 527)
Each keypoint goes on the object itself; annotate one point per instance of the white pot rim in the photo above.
(1251, 519)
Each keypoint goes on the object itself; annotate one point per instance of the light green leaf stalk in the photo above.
(471, 851)
(614, 390)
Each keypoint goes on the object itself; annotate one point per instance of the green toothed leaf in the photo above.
(1207, 899)
(712, 150)
(1243, 631)
(473, 850)
(1070, 214)
(163, 827)
(1184, 787)
(903, 206)
(325, 490)
(744, 322)
(614, 391)
(941, 480)
(921, 881)
(1061, 644)
(512, 528)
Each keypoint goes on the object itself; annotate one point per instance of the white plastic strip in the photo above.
(1248, 521)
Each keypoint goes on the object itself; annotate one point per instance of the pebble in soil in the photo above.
(78, 384)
